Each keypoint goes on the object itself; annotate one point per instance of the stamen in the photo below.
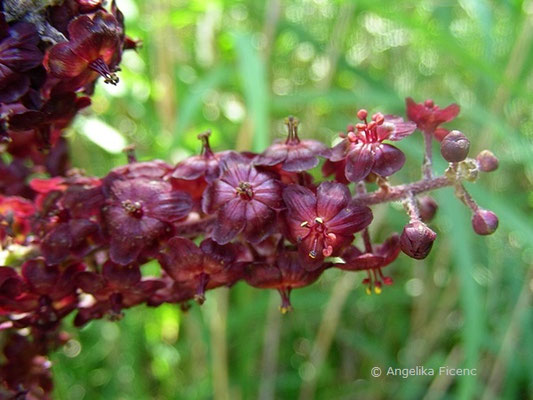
(103, 69)
(319, 220)
(304, 224)
(245, 190)
(134, 208)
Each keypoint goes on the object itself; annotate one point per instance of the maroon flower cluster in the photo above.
(71, 243)
(48, 67)
(213, 220)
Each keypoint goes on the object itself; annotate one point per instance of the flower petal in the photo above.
(216, 195)
(263, 276)
(389, 160)
(63, 62)
(448, 113)
(359, 162)
(332, 197)
(301, 203)
(170, 206)
(350, 220)
(231, 221)
(182, 259)
(260, 221)
(339, 151)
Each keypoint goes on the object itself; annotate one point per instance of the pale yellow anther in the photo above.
(304, 224)
(319, 220)
(368, 291)
(377, 289)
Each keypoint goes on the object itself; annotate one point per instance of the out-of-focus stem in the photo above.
(427, 165)
(326, 331)
(510, 339)
(267, 386)
(219, 349)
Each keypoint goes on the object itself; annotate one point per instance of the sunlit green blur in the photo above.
(238, 68)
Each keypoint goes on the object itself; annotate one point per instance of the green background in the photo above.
(238, 68)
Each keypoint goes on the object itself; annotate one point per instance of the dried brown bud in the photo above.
(427, 206)
(484, 222)
(417, 239)
(454, 147)
(487, 161)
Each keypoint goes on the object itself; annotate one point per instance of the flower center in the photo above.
(319, 231)
(366, 132)
(103, 69)
(133, 208)
(245, 191)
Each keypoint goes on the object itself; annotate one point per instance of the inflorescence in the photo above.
(72, 243)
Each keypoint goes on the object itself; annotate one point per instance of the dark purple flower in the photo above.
(206, 267)
(293, 154)
(429, 116)
(25, 372)
(19, 53)
(140, 211)
(372, 260)
(285, 274)
(45, 294)
(94, 48)
(116, 288)
(13, 179)
(245, 200)
(322, 224)
(47, 123)
(195, 173)
(364, 150)
(74, 236)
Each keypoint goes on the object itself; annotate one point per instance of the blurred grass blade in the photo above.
(101, 134)
(254, 83)
(192, 103)
(470, 298)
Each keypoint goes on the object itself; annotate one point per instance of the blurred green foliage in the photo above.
(238, 68)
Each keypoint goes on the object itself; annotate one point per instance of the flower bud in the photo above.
(362, 114)
(484, 222)
(454, 147)
(427, 206)
(487, 161)
(417, 239)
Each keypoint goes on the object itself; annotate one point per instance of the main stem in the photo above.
(400, 192)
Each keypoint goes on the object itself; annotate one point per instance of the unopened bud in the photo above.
(454, 147)
(484, 222)
(417, 239)
(362, 114)
(427, 208)
(488, 162)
